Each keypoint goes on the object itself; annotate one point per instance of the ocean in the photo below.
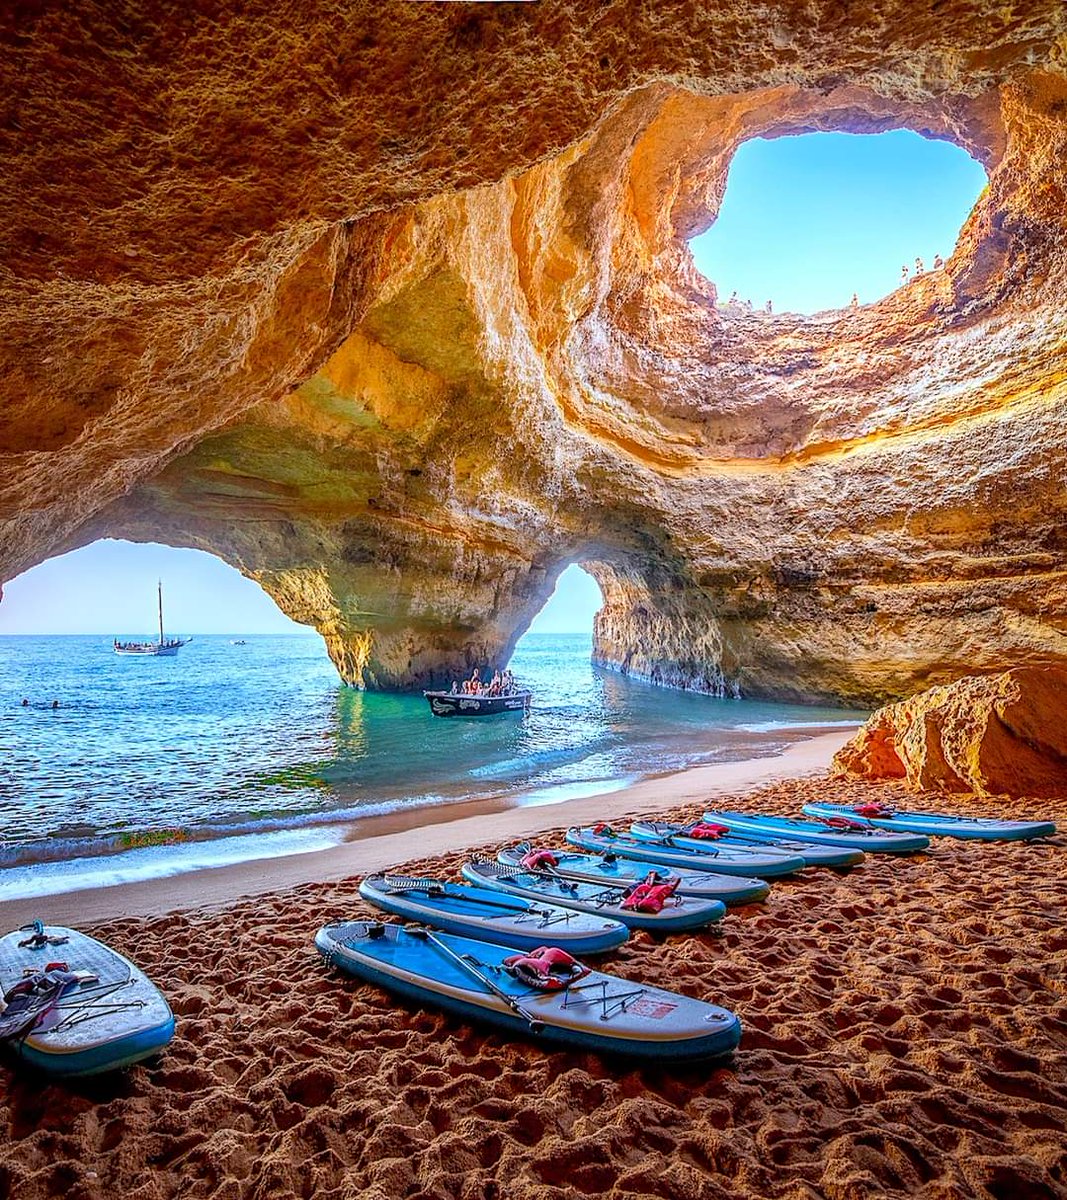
(227, 753)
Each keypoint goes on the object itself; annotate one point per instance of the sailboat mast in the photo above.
(161, 612)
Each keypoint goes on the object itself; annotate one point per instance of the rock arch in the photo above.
(400, 374)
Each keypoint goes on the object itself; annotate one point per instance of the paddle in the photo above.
(575, 876)
(605, 896)
(433, 888)
(509, 872)
(470, 966)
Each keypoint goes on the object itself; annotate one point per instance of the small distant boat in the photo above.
(238, 642)
(165, 647)
(457, 704)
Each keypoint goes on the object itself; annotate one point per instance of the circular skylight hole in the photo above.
(809, 221)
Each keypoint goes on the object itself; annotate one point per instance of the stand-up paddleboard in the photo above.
(989, 829)
(607, 868)
(668, 834)
(603, 899)
(491, 916)
(586, 1009)
(854, 833)
(84, 1008)
(727, 860)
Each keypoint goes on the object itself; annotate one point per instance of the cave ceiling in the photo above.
(394, 311)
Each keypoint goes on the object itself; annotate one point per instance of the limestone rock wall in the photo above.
(1001, 735)
(402, 321)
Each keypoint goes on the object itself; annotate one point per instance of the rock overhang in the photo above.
(405, 418)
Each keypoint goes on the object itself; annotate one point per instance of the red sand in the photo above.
(905, 1035)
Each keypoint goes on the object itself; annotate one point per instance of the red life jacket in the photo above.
(873, 808)
(548, 968)
(533, 860)
(650, 896)
(841, 823)
(605, 830)
(704, 830)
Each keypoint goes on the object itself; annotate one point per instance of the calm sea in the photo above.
(231, 752)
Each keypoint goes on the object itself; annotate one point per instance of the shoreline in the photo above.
(902, 1034)
(387, 840)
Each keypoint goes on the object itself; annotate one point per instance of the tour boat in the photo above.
(165, 647)
(457, 704)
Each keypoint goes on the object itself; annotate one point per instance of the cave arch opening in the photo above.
(571, 608)
(810, 220)
(108, 587)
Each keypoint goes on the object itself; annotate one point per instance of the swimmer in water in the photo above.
(55, 704)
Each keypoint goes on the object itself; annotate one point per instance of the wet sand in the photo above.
(905, 1035)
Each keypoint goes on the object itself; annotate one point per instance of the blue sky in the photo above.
(110, 588)
(806, 221)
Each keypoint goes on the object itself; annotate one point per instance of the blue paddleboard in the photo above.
(764, 827)
(608, 868)
(469, 978)
(667, 834)
(105, 1013)
(729, 860)
(491, 916)
(602, 899)
(988, 829)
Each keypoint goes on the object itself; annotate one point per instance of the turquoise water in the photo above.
(253, 750)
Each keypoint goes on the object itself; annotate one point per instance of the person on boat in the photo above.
(455, 688)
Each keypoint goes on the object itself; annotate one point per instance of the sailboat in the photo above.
(164, 647)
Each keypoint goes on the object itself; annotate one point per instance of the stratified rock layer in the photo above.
(1003, 735)
(395, 312)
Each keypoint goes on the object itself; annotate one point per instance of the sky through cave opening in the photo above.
(109, 588)
(572, 606)
(807, 221)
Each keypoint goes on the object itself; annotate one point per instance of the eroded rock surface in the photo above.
(993, 735)
(395, 313)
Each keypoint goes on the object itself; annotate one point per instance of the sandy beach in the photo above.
(905, 1035)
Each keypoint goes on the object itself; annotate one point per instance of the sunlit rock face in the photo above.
(403, 321)
(1002, 734)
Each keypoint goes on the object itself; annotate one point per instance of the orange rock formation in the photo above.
(394, 311)
(994, 735)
